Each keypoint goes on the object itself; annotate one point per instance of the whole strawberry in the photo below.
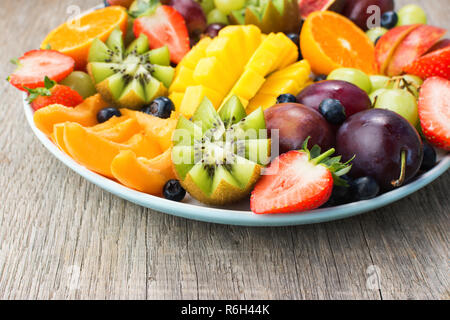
(298, 181)
(53, 94)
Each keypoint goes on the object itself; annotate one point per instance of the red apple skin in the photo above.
(416, 43)
(387, 44)
(444, 43)
(356, 10)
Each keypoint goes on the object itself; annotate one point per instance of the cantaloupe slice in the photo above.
(84, 114)
(136, 174)
(121, 132)
(112, 122)
(159, 129)
(58, 137)
(97, 153)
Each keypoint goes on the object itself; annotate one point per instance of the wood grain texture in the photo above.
(62, 237)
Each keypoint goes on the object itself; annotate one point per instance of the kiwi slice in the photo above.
(216, 156)
(129, 77)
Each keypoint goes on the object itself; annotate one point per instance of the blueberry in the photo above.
(320, 77)
(333, 111)
(285, 98)
(107, 113)
(364, 188)
(429, 157)
(174, 191)
(161, 107)
(294, 38)
(341, 194)
(389, 19)
(106, 3)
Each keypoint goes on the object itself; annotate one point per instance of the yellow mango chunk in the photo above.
(277, 86)
(184, 79)
(211, 73)
(177, 98)
(248, 84)
(261, 100)
(298, 71)
(194, 96)
(198, 52)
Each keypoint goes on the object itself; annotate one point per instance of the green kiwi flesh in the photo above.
(212, 157)
(129, 77)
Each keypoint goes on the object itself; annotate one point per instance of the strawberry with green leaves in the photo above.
(298, 181)
(53, 93)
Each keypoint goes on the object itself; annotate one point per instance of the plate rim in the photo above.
(235, 217)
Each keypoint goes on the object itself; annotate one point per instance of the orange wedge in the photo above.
(74, 38)
(330, 41)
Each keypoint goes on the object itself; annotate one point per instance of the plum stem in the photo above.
(401, 179)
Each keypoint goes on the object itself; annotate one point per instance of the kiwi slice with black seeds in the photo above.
(129, 77)
(215, 157)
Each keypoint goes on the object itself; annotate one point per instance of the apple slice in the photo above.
(387, 44)
(413, 46)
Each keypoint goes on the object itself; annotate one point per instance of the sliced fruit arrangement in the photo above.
(75, 37)
(257, 72)
(132, 77)
(298, 181)
(121, 91)
(269, 15)
(218, 157)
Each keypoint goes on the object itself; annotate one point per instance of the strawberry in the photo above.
(166, 26)
(434, 111)
(298, 181)
(434, 64)
(53, 93)
(34, 65)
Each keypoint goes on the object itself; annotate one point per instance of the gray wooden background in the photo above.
(62, 237)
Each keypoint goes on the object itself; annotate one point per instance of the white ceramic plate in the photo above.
(239, 214)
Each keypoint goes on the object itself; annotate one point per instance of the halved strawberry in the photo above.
(434, 111)
(434, 64)
(53, 93)
(34, 65)
(297, 181)
(166, 26)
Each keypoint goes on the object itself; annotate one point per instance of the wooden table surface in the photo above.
(62, 237)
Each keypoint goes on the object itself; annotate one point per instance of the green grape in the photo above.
(411, 14)
(375, 94)
(401, 102)
(379, 82)
(80, 82)
(409, 83)
(216, 16)
(375, 33)
(355, 76)
(207, 5)
(226, 6)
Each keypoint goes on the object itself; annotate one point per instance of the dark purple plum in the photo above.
(378, 138)
(352, 97)
(213, 29)
(296, 123)
(356, 10)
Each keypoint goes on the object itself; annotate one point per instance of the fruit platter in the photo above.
(245, 112)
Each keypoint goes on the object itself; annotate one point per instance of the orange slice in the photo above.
(74, 38)
(330, 41)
